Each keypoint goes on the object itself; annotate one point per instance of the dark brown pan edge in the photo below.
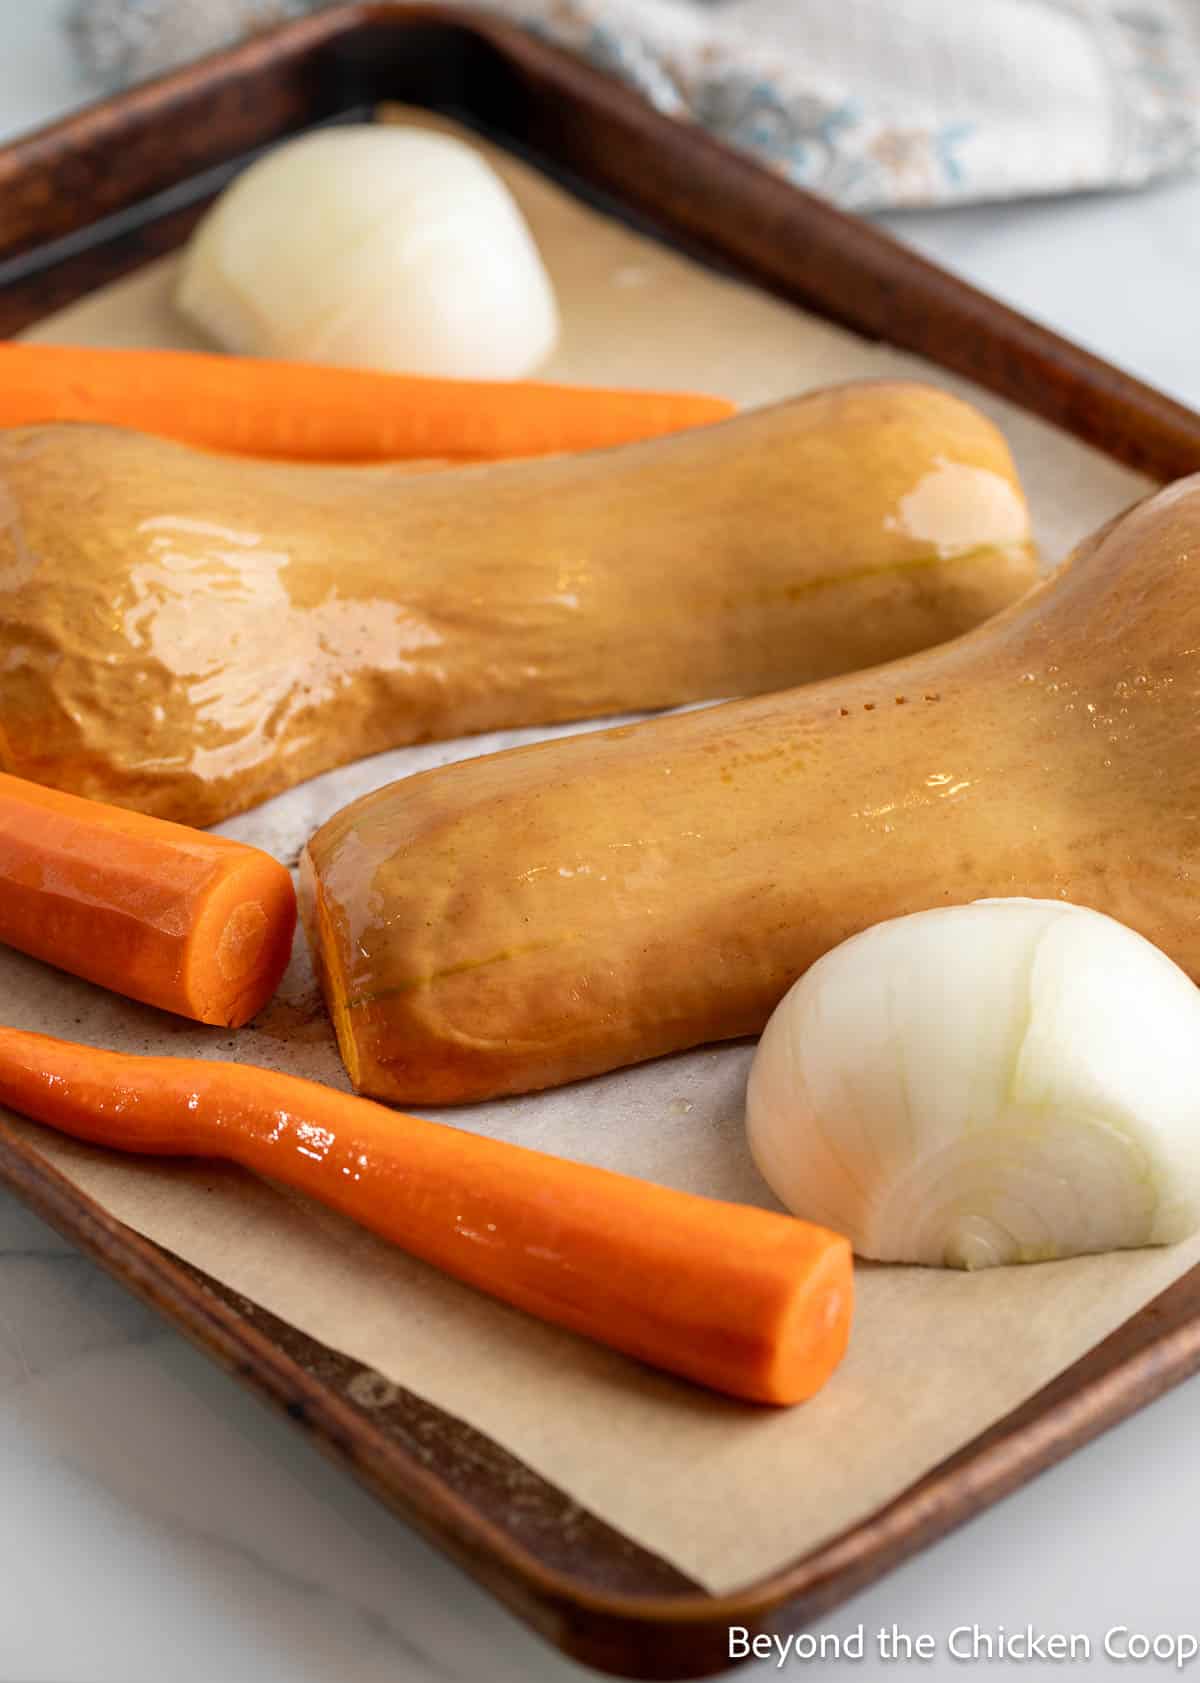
(580, 1596)
(566, 1573)
(118, 152)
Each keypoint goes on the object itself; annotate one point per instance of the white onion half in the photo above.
(1007, 1081)
(372, 246)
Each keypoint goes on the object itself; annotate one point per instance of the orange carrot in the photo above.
(190, 922)
(307, 412)
(747, 1301)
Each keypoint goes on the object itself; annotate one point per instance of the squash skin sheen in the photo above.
(188, 634)
(526, 919)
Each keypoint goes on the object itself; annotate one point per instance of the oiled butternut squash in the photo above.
(188, 634)
(516, 921)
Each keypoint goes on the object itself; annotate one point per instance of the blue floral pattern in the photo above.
(862, 147)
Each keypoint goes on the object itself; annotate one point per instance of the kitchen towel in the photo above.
(874, 103)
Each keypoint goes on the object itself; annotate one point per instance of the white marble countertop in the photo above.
(158, 1526)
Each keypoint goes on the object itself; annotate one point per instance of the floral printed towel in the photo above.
(873, 102)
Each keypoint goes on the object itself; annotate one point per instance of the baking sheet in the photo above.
(728, 1493)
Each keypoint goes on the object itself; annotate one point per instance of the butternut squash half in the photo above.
(513, 922)
(188, 634)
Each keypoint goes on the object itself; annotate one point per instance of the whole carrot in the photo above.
(190, 922)
(752, 1303)
(255, 407)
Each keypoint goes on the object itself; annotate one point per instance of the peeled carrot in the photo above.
(250, 406)
(752, 1303)
(191, 922)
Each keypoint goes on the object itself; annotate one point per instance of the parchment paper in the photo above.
(726, 1492)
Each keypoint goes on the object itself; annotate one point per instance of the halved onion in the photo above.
(1007, 1081)
(372, 246)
